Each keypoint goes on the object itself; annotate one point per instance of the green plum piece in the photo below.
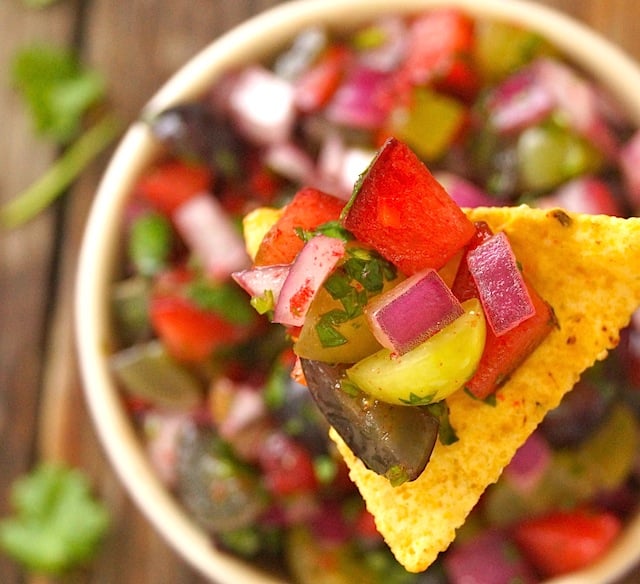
(430, 372)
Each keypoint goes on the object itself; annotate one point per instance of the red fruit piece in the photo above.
(309, 208)
(439, 53)
(503, 354)
(171, 183)
(188, 332)
(405, 214)
(566, 541)
(287, 466)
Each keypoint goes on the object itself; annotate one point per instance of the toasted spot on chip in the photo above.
(588, 268)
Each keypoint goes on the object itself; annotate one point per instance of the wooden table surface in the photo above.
(137, 44)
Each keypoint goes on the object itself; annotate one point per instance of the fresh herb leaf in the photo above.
(397, 475)
(275, 389)
(326, 330)
(57, 523)
(225, 299)
(150, 242)
(446, 433)
(263, 304)
(57, 89)
(361, 276)
(61, 174)
(330, 229)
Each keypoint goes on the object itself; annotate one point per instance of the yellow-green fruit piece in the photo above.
(430, 372)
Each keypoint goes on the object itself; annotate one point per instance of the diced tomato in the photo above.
(316, 86)
(309, 208)
(565, 541)
(189, 332)
(503, 354)
(405, 214)
(439, 53)
(171, 183)
(287, 466)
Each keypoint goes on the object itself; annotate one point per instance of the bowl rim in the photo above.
(248, 41)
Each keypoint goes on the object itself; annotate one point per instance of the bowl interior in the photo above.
(254, 40)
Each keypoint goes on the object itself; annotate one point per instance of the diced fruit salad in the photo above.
(220, 395)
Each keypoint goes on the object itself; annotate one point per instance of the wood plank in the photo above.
(25, 254)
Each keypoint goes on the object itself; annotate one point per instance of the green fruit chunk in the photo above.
(431, 124)
(430, 372)
(551, 154)
(502, 48)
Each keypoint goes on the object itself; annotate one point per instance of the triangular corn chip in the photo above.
(588, 269)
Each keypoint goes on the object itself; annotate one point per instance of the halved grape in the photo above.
(550, 154)
(430, 372)
(222, 493)
(393, 441)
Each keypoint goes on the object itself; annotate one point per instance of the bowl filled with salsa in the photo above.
(196, 393)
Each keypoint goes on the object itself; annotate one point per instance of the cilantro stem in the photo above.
(60, 174)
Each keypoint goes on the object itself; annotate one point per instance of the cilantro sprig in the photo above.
(58, 92)
(57, 524)
(361, 276)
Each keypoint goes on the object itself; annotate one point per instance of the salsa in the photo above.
(214, 388)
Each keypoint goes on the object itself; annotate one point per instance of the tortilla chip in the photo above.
(588, 268)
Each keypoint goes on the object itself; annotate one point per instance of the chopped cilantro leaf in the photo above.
(326, 328)
(330, 229)
(263, 304)
(225, 299)
(446, 434)
(361, 276)
(57, 89)
(57, 524)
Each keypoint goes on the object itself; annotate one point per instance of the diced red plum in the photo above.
(503, 354)
(400, 210)
(309, 208)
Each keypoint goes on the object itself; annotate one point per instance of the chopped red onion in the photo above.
(309, 270)
(262, 105)
(412, 311)
(487, 558)
(585, 194)
(357, 103)
(520, 102)
(261, 279)
(161, 438)
(529, 464)
(387, 55)
(339, 167)
(290, 161)
(579, 102)
(503, 292)
(463, 191)
(211, 236)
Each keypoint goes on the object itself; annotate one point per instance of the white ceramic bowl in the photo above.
(264, 34)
